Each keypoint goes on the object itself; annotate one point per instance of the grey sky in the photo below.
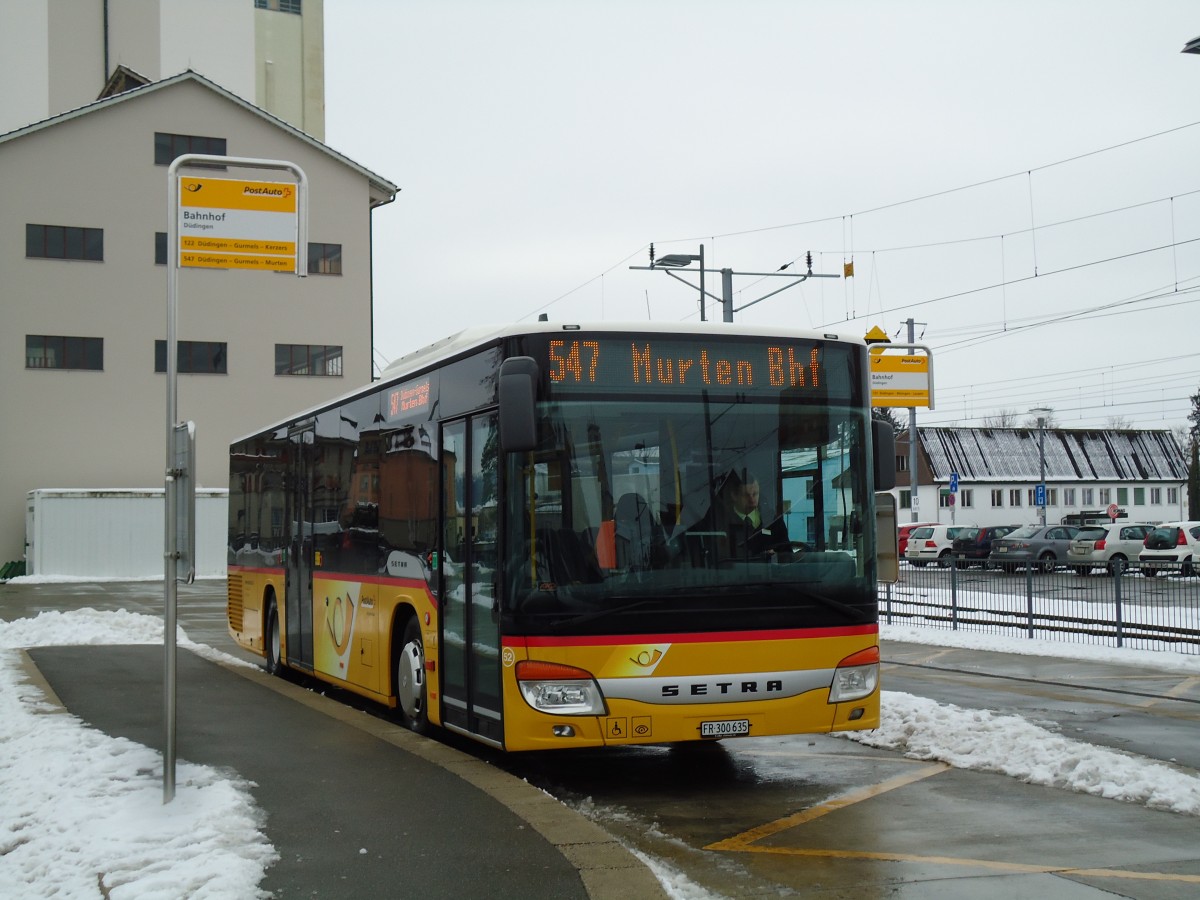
(542, 146)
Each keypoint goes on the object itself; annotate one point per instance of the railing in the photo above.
(1127, 610)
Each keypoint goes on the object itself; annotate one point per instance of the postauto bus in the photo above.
(517, 535)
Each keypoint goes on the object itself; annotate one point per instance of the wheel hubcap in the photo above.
(410, 675)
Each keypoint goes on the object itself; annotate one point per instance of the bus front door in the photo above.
(470, 639)
(298, 610)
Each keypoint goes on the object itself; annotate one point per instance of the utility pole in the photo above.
(912, 437)
(673, 262)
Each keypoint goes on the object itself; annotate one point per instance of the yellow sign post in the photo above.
(229, 224)
(901, 379)
(212, 223)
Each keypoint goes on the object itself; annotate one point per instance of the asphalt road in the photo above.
(818, 816)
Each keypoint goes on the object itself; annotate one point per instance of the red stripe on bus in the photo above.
(714, 637)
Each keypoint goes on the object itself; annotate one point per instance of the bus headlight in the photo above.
(856, 676)
(559, 690)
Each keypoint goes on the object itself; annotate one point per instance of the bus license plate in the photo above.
(732, 728)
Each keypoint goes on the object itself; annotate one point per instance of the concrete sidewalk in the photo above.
(335, 781)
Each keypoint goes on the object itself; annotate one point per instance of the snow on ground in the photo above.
(208, 842)
(82, 813)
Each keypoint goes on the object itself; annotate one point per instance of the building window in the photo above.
(1172, 496)
(1156, 496)
(194, 357)
(1105, 496)
(945, 500)
(160, 248)
(1139, 496)
(966, 498)
(1089, 495)
(997, 497)
(307, 359)
(1014, 497)
(287, 6)
(1052, 496)
(49, 351)
(169, 146)
(324, 259)
(906, 499)
(64, 242)
(1068, 496)
(901, 463)
(1122, 496)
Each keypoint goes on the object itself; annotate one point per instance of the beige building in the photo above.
(83, 285)
(59, 51)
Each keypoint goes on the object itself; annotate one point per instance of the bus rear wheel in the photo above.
(272, 642)
(411, 691)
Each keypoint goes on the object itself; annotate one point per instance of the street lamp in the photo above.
(679, 261)
(1043, 414)
(683, 260)
(1192, 46)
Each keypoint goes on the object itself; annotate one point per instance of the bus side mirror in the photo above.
(886, 554)
(885, 454)
(518, 401)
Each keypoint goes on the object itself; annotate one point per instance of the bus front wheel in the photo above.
(411, 692)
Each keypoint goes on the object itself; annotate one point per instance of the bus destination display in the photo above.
(633, 363)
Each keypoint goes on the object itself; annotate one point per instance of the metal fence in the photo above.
(1127, 610)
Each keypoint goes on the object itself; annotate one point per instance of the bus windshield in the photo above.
(690, 513)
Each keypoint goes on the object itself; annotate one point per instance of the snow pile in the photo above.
(990, 742)
(82, 813)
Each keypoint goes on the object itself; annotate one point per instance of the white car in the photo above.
(1173, 546)
(1110, 546)
(931, 543)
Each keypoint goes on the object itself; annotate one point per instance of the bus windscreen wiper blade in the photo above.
(850, 612)
(605, 611)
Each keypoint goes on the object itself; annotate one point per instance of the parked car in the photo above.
(1109, 546)
(971, 546)
(930, 543)
(1041, 546)
(903, 532)
(1174, 545)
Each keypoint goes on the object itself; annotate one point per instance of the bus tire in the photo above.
(271, 640)
(412, 695)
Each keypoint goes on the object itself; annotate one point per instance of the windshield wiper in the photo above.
(850, 612)
(604, 612)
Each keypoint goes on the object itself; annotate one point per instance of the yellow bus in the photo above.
(524, 535)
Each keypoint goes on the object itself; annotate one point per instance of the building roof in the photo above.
(382, 190)
(1011, 454)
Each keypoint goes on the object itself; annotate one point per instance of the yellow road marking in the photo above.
(1184, 687)
(975, 863)
(743, 840)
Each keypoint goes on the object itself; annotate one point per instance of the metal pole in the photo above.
(1042, 469)
(912, 435)
(1117, 574)
(702, 294)
(169, 587)
(727, 295)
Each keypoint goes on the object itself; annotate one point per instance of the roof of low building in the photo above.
(1011, 454)
(123, 87)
